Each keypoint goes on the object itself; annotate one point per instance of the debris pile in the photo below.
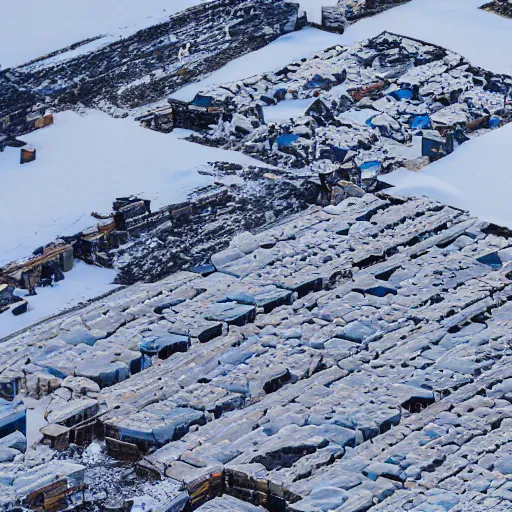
(272, 377)
(501, 7)
(337, 18)
(388, 102)
(148, 65)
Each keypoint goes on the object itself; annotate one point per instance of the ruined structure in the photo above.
(354, 357)
(369, 102)
(146, 67)
(337, 18)
(287, 341)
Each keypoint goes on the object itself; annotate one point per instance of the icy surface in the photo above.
(83, 164)
(83, 283)
(475, 177)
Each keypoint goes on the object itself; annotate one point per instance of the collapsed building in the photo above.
(350, 356)
(353, 358)
(370, 104)
(147, 66)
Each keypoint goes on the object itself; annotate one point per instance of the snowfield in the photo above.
(83, 164)
(475, 177)
(83, 283)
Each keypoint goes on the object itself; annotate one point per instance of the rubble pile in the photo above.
(150, 64)
(186, 234)
(336, 18)
(353, 357)
(501, 7)
(387, 102)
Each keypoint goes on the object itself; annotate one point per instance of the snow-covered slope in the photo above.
(476, 177)
(277, 54)
(82, 284)
(83, 164)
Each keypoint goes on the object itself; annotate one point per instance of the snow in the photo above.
(481, 37)
(37, 27)
(272, 57)
(83, 163)
(35, 418)
(314, 8)
(81, 284)
(475, 177)
(285, 110)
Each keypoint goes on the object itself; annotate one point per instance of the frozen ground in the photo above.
(476, 177)
(83, 164)
(482, 37)
(42, 27)
(83, 283)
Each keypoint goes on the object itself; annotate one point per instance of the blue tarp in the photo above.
(202, 101)
(13, 417)
(369, 123)
(401, 94)
(421, 122)
(494, 122)
(374, 167)
(285, 140)
(316, 82)
(280, 94)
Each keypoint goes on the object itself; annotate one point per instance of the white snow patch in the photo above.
(83, 164)
(30, 30)
(287, 109)
(35, 417)
(93, 453)
(82, 283)
(474, 177)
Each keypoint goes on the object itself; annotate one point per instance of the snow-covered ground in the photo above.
(34, 28)
(482, 37)
(475, 177)
(81, 284)
(286, 110)
(83, 164)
